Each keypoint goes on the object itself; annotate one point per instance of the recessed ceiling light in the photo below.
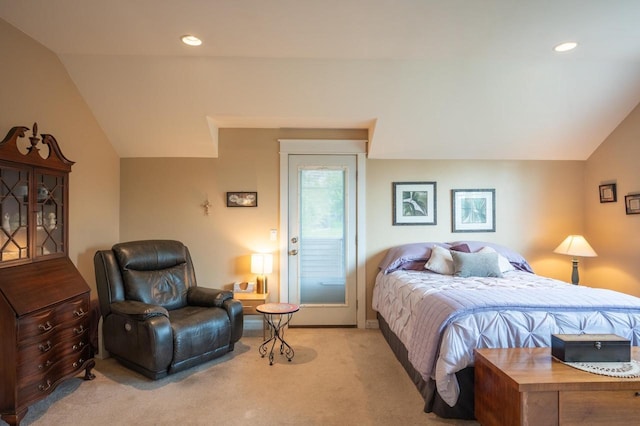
(191, 40)
(565, 47)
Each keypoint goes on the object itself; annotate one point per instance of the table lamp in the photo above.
(261, 264)
(576, 246)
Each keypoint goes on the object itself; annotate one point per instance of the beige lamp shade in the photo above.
(577, 246)
(261, 263)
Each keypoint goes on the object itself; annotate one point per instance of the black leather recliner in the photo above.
(156, 320)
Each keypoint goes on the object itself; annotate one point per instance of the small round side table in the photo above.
(277, 316)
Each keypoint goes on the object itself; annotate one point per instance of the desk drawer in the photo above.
(619, 407)
(249, 306)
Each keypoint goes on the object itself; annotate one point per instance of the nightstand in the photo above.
(249, 303)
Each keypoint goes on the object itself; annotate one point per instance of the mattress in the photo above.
(441, 319)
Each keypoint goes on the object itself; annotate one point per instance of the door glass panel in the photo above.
(14, 214)
(49, 215)
(322, 236)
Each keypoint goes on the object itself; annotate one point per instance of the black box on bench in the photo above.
(590, 348)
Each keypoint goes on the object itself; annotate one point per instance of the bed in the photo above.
(437, 302)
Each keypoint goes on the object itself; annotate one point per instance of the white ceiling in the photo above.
(433, 79)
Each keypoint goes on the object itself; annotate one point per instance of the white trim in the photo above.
(316, 146)
(361, 240)
(102, 352)
(322, 146)
(284, 227)
(372, 324)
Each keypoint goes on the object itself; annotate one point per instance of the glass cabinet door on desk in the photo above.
(14, 213)
(50, 207)
(34, 197)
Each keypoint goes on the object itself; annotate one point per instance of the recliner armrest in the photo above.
(138, 310)
(207, 297)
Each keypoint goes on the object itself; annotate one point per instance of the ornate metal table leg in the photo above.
(262, 349)
(276, 330)
(284, 346)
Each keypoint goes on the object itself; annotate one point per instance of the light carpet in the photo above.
(337, 377)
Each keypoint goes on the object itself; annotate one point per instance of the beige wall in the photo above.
(538, 203)
(614, 235)
(162, 198)
(36, 87)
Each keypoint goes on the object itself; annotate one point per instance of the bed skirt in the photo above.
(464, 408)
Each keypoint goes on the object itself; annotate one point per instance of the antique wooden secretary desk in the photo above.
(44, 301)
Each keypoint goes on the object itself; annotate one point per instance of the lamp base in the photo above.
(261, 284)
(575, 277)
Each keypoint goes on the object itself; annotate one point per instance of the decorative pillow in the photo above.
(503, 262)
(410, 265)
(513, 257)
(475, 264)
(461, 247)
(407, 256)
(440, 261)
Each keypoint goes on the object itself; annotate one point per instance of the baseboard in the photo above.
(102, 352)
(253, 323)
(371, 324)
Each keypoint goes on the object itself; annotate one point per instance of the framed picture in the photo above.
(632, 203)
(473, 210)
(608, 193)
(242, 199)
(414, 203)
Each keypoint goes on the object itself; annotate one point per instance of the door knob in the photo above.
(293, 252)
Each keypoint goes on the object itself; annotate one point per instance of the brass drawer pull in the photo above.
(637, 394)
(80, 313)
(46, 326)
(79, 330)
(43, 387)
(78, 346)
(45, 365)
(78, 363)
(45, 348)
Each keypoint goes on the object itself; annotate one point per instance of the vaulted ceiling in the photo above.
(431, 79)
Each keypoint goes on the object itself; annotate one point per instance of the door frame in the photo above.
(325, 147)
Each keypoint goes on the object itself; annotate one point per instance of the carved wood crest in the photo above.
(43, 152)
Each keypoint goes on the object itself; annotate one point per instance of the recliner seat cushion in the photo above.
(198, 331)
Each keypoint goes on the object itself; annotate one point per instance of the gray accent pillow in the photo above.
(475, 264)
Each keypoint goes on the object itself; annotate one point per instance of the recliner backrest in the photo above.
(158, 272)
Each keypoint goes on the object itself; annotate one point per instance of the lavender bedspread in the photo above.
(441, 319)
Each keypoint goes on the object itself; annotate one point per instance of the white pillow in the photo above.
(503, 262)
(440, 261)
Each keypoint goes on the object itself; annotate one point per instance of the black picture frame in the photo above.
(632, 203)
(242, 199)
(608, 193)
(473, 210)
(414, 203)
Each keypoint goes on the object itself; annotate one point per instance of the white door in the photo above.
(322, 239)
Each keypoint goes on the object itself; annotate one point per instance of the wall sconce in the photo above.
(575, 245)
(261, 264)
